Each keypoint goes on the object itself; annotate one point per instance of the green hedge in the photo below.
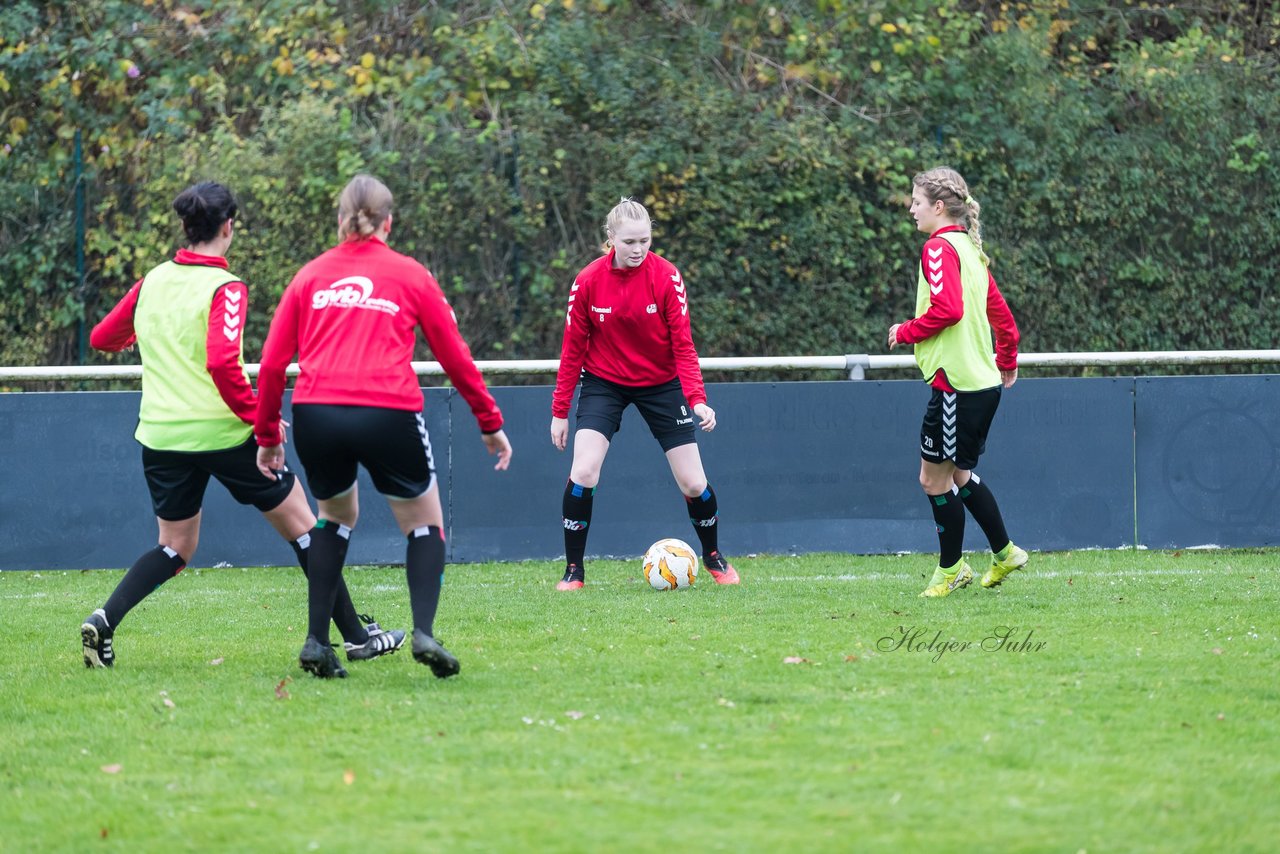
(1125, 157)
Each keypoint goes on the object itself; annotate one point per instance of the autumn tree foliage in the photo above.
(1124, 153)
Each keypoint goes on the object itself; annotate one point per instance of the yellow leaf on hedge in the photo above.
(888, 28)
(367, 60)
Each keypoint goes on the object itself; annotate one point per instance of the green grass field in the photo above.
(1132, 705)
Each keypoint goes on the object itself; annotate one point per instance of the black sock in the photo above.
(326, 555)
(981, 503)
(424, 570)
(577, 518)
(702, 513)
(344, 610)
(147, 573)
(948, 515)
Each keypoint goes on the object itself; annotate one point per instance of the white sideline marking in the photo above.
(1033, 573)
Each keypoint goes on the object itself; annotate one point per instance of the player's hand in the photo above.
(708, 416)
(893, 335)
(497, 443)
(271, 461)
(1008, 378)
(560, 433)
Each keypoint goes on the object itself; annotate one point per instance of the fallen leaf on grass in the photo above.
(795, 659)
(216, 662)
(348, 776)
(281, 693)
(851, 658)
(112, 769)
(103, 833)
(573, 715)
(1217, 650)
(1069, 580)
(1221, 716)
(168, 703)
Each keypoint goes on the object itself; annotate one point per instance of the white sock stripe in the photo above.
(344, 532)
(424, 531)
(170, 552)
(304, 541)
(973, 476)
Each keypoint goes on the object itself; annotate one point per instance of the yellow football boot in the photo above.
(944, 582)
(1015, 558)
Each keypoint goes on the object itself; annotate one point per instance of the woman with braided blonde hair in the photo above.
(957, 306)
(627, 339)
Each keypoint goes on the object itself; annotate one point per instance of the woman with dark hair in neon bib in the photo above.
(187, 318)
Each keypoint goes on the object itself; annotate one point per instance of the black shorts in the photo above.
(391, 443)
(668, 414)
(956, 424)
(177, 479)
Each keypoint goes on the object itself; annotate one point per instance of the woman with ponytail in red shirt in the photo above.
(351, 315)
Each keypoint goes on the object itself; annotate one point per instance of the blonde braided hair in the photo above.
(946, 185)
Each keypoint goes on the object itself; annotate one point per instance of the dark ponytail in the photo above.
(203, 209)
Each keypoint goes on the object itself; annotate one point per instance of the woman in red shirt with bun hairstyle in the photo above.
(351, 315)
(627, 338)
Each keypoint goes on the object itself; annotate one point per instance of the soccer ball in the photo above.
(670, 564)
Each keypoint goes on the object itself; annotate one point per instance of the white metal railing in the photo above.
(854, 366)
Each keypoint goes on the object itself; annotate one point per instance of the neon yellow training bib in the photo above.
(181, 408)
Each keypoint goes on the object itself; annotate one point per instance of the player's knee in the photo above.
(588, 477)
(693, 488)
(934, 485)
(184, 546)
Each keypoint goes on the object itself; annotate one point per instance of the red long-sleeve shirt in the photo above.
(350, 315)
(629, 326)
(115, 332)
(947, 307)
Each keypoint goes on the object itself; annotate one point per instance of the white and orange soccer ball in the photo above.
(670, 564)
